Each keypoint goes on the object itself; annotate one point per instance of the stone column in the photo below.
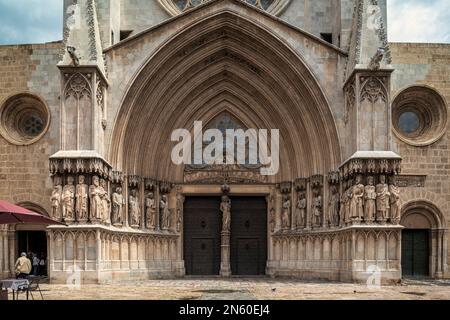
(225, 208)
(225, 267)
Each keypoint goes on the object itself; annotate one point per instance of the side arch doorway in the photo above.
(424, 241)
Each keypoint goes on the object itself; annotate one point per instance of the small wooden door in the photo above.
(202, 226)
(415, 253)
(248, 235)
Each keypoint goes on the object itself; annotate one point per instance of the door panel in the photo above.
(248, 235)
(202, 225)
(415, 253)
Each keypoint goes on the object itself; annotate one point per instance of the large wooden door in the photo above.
(415, 253)
(248, 235)
(202, 226)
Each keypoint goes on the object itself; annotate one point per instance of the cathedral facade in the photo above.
(363, 186)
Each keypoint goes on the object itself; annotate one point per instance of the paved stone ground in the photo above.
(248, 289)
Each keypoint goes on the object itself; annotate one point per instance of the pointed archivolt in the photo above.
(175, 7)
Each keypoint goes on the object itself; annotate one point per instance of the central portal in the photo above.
(202, 235)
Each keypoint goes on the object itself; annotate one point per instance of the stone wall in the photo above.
(428, 65)
(24, 169)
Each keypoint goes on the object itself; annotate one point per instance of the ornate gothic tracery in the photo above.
(175, 7)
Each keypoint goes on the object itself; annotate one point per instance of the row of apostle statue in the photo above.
(357, 203)
(93, 203)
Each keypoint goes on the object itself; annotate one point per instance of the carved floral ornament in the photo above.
(175, 7)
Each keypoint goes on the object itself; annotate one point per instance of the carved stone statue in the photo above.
(117, 204)
(356, 202)
(150, 211)
(225, 207)
(272, 221)
(180, 204)
(135, 210)
(300, 211)
(165, 213)
(342, 208)
(333, 207)
(377, 58)
(394, 201)
(317, 208)
(106, 202)
(68, 199)
(286, 214)
(56, 201)
(82, 199)
(383, 196)
(96, 192)
(348, 199)
(72, 53)
(370, 197)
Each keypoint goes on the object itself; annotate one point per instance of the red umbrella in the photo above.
(10, 213)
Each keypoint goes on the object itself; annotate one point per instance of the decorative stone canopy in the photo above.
(87, 162)
(371, 162)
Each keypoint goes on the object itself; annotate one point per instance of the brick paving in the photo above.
(248, 289)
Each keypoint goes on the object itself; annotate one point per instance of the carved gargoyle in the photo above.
(73, 55)
(377, 58)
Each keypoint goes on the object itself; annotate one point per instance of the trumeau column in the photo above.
(225, 208)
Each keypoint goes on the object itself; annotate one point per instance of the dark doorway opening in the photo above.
(248, 235)
(34, 242)
(415, 253)
(202, 225)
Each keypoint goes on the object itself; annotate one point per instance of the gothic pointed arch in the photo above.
(224, 62)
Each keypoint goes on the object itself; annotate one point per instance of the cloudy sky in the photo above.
(36, 21)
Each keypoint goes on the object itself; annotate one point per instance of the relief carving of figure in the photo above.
(286, 214)
(82, 199)
(317, 208)
(150, 211)
(342, 208)
(225, 207)
(135, 210)
(96, 192)
(356, 202)
(56, 202)
(165, 213)
(394, 201)
(68, 199)
(300, 211)
(272, 221)
(180, 203)
(117, 204)
(348, 199)
(370, 197)
(383, 197)
(106, 202)
(334, 207)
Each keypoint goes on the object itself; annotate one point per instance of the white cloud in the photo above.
(419, 21)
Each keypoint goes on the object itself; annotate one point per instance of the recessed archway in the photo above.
(424, 240)
(224, 62)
